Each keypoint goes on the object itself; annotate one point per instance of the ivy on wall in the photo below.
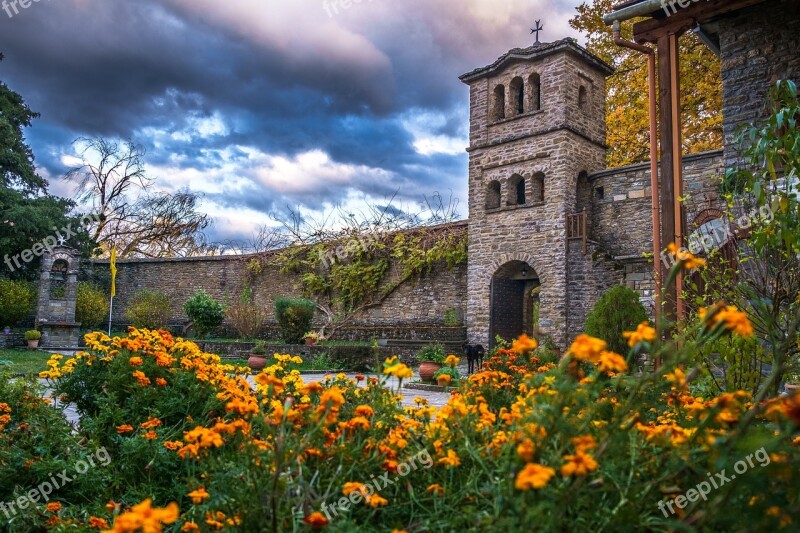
(361, 270)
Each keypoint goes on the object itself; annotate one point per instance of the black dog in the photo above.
(473, 353)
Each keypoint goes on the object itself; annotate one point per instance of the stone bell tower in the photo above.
(537, 124)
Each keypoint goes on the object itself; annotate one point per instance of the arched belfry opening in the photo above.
(514, 301)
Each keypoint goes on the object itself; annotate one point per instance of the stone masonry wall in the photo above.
(759, 46)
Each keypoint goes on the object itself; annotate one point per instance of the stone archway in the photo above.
(513, 300)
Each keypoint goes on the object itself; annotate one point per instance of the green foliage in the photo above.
(451, 318)
(322, 361)
(33, 335)
(618, 310)
(91, 306)
(17, 299)
(432, 352)
(148, 309)
(294, 317)
(741, 363)
(205, 313)
(260, 348)
(450, 371)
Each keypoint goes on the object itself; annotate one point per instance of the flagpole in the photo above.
(110, 312)
(113, 267)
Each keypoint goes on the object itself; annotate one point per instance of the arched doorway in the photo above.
(514, 301)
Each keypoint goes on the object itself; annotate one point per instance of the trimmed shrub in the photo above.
(16, 301)
(205, 313)
(246, 318)
(91, 306)
(294, 317)
(148, 309)
(618, 310)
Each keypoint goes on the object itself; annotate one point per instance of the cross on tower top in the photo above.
(536, 30)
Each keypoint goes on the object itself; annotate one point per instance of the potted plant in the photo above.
(311, 338)
(431, 358)
(258, 356)
(33, 336)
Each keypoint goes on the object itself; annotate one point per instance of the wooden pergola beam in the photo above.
(650, 30)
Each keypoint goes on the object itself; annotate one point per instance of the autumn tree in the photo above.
(627, 106)
(140, 221)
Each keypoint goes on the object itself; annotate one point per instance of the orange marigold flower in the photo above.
(151, 423)
(136, 361)
(446, 378)
(586, 348)
(124, 428)
(375, 500)
(173, 444)
(584, 443)
(435, 489)
(189, 527)
(359, 377)
(677, 378)
(140, 376)
(526, 449)
(98, 523)
(533, 476)
(54, 507)
(365, 410)
(523, 344)
(197, 496)
(332, 397)
(612, 362)
(644, 333)
(686, 258)
(316, 520)
(150, 435)
(161, 382)
(145, 517)
(352, 486)
(579, 464)
(312, 388)
(390, 465)
(451, 460)
(451, 360)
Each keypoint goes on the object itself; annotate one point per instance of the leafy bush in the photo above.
(247, 319)
(618, 310)
(323, 361)
(91, 306)
(205, 313)
(33, 335)
(431, 352)
(148, 309)
(294, 317)
(16, 301)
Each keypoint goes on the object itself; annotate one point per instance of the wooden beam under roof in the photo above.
(650, 30)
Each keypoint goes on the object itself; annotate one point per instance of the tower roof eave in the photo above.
(536, 51)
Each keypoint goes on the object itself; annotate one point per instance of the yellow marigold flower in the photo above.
(533, 476)
(579, 464)
(451, 460)
(145, 517)
(612, 362)
(197, 496)
(678, 378)
(685, 258)
(365, 410)
(523, 344)
(644, 333)
(451, 360)
(316, 520)
(435, 489)
(586, 348)
(399, 370)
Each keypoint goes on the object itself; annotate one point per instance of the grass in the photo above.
(22, 361)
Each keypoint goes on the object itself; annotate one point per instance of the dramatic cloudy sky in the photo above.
(263, 104)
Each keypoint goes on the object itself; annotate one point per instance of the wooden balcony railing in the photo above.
(577, 228)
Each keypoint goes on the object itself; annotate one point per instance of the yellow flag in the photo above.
(114, 271)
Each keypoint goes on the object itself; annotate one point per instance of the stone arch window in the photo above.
(493, 195)
(534, 92)
(516, 190)
(583, 192)
(58, 279)
(517, 89)
(537, 187)
(582, 97)
(499, 102)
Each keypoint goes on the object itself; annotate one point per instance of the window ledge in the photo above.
(514, 207)
(515, 117)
